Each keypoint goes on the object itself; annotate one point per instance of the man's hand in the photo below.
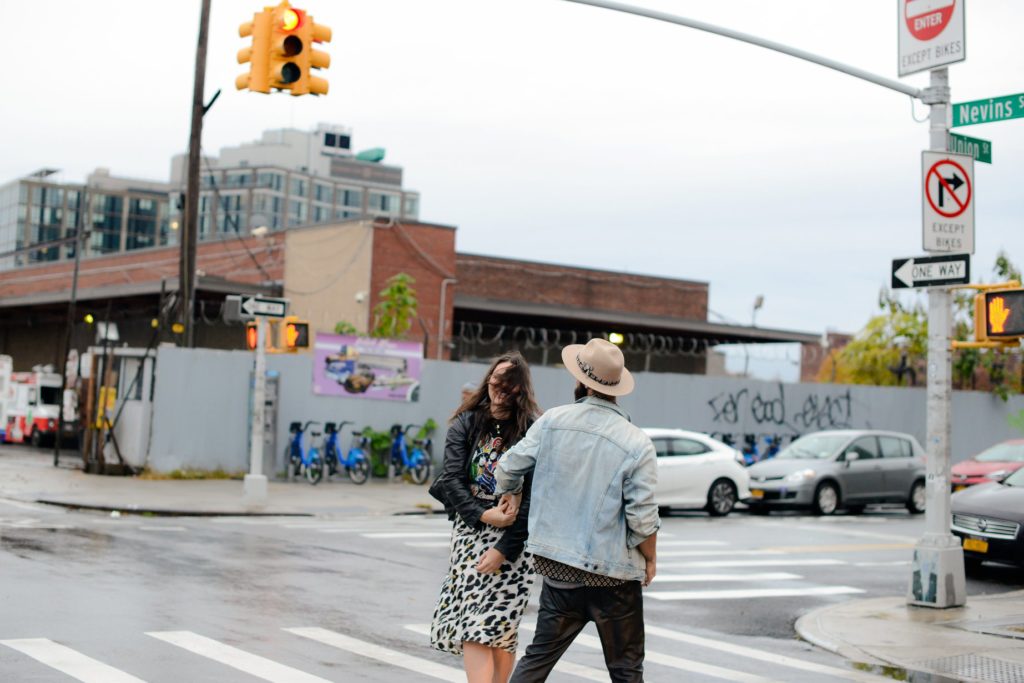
(510, 503)
(650, 571)
(497, 517)
(490, 562)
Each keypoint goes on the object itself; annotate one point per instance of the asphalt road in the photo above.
(116, 600)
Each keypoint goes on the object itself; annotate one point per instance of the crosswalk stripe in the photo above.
(753, 593)
(753, 653)
(688, 544)
(781, 562)
(843, 548)
(675, 662)
(565, 667)
(162, 528)
(70, 662)
(428, 544)
(710, 578)
(257, 666)
(410, 534)
(718, 553)
(381, 654)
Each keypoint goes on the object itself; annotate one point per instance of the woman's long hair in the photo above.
(523, 409)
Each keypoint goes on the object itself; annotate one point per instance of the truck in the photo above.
(30, 404)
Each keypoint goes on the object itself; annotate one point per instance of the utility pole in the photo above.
(69, 334)
(255, 483)
(190, 234)
(937, 572)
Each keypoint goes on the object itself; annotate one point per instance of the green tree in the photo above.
(398, 307)
(345, 327)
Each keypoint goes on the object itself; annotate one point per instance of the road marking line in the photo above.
(688, 544)
(844, 548)
(782, 562)
(835, 530)
(68, 661)
(570, 668)
(410, 534)
(428, 544)
(381, 654)
(163, 528)
(674, 662)
(739, 594)
(257, 666)
(702, 578)
(24, 506)
(896, 563)
(717, 553)
(753, 653)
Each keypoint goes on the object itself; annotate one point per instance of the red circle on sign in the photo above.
(928, 20)
(956, 200)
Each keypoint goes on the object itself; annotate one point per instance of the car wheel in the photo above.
(721, 498)
(36, 439)
(826, 498)
(918, 496)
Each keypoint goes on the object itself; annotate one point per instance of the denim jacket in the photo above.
(594, 475)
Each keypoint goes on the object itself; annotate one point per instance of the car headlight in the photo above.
(998, 475)
(801, 476)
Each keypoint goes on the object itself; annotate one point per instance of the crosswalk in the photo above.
(671, 655)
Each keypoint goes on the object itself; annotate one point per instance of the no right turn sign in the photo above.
(948, 202)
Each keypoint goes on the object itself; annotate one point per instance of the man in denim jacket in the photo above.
(593, 521)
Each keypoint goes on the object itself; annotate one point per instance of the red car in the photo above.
(992, 464)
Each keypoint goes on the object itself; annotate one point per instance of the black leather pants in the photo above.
(618, 614)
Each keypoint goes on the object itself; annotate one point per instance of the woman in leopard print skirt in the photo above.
(485, 592)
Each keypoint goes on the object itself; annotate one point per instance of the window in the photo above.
(297, 212)
(412, 206)
(323, 193)
(298, 187)
(688, 447)
(387, 203)
(894, 447)
(865, 447)
(661, 447)
(330, 140)
(344, 141)
(321, 214)
(349, 197)
(239, 179)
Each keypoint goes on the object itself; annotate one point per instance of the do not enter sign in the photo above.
(931, 34)
(948, 202)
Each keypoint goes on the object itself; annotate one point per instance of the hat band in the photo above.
(588, 370)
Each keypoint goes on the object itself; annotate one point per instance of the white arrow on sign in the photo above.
(273, 308)
(925, 271)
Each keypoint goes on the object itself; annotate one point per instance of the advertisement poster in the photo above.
(361, 367)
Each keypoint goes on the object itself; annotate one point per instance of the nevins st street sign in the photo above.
(986, 111)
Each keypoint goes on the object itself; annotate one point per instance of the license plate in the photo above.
(959, 487)
(976, 544)
(756, 493)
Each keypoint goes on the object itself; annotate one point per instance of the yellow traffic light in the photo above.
(296, 335)
(257, 54)
(308, 58)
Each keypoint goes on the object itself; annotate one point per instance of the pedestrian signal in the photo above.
(296, 335)
(252, 336)
(1004, 313)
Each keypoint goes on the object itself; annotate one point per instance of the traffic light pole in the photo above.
(937, 572)
(190, 235)
(255, 484)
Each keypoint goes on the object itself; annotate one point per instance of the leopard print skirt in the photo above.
(475, 607)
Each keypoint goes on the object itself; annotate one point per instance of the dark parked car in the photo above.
(842, 468)
(988, 520)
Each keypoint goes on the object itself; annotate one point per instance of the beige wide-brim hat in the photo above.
(599, 365)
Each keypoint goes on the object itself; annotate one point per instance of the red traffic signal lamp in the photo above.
(282, 54)
(296, 335)
(252, 336)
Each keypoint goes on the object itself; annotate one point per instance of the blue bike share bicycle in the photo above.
(416, 460)
(303, 461)
(356, 463)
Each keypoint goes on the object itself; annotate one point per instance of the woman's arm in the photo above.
(454, 474)
(513, 541)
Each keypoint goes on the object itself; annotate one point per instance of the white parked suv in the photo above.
(698, 472)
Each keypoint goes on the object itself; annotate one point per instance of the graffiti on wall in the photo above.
(760, 422)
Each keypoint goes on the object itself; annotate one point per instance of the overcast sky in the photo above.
(553, 131)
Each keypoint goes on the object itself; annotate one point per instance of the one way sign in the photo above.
(931, 271)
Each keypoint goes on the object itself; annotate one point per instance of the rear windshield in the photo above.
(1003, 452)
(813, 447)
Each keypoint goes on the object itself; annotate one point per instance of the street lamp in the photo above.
(758, 303)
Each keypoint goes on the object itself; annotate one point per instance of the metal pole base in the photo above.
(937, 573)
(255, 486)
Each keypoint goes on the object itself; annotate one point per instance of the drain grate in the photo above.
(977, 667)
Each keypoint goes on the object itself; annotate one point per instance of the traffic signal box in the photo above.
(281, 55)
(289, 335)
(998, 317)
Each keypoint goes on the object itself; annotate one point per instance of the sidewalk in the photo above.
(982, 641)
(29, 476)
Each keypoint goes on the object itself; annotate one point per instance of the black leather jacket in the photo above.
(453, 486)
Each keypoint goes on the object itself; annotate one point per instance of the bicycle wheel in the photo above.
(359, 472)
(420, 470)
(315, 472)
(290, 469)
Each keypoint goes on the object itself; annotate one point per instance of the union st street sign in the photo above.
(980, 149)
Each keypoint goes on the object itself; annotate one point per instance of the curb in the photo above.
(805, 630)
(169, 512)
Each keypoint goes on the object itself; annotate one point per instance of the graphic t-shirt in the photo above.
(485, 458)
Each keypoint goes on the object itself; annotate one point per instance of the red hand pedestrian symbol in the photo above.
(997, 314)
